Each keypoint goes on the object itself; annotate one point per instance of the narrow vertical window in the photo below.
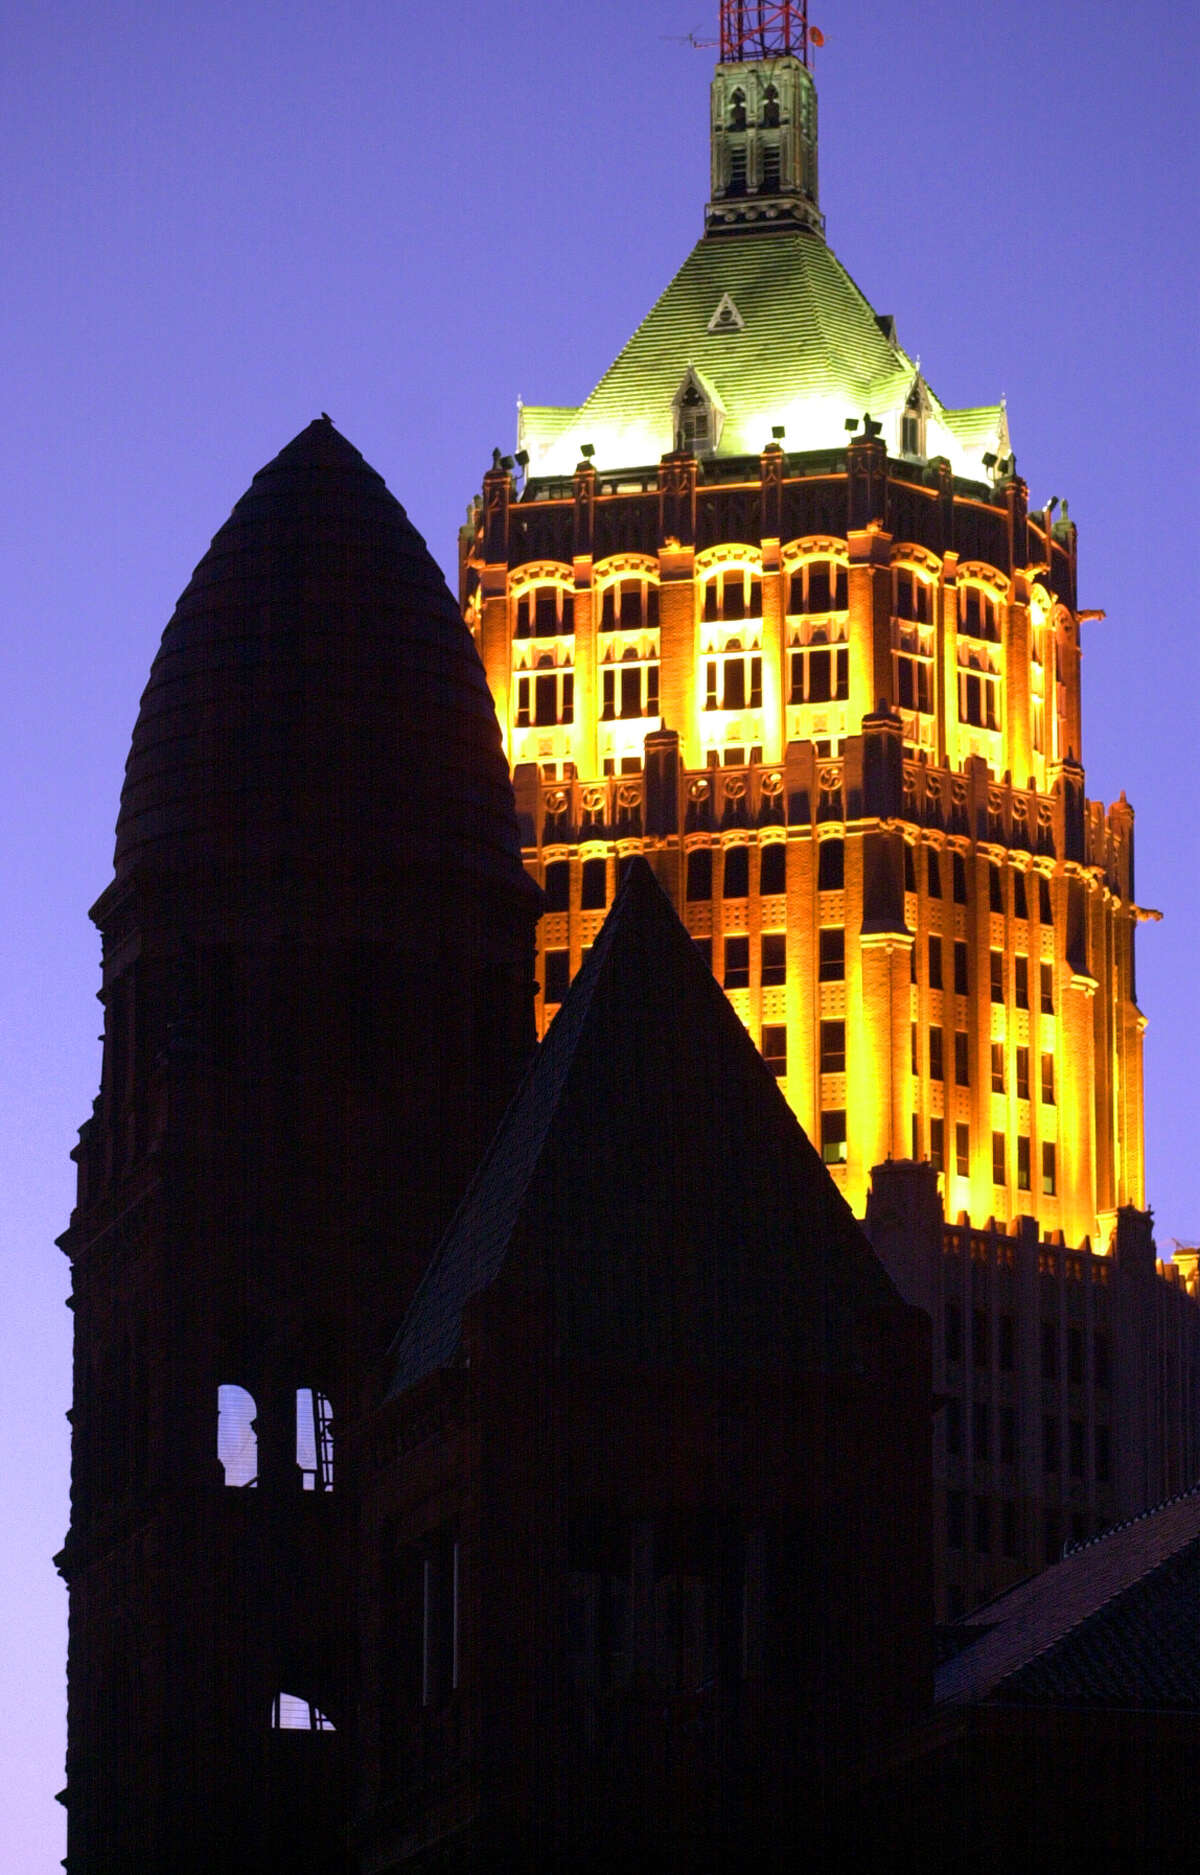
(999, 1171)
(773, 869)
(314, 1439)
(961, 977)
(699, 873)
(962, 1068)
(1047, 989)
(237, 1437)
(962, 1150)
(774, 1048)
(997, 976)
(1049, 1169)
(935, 963)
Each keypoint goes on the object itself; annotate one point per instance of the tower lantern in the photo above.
(763, 29)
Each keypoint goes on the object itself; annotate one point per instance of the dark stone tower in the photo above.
(318, 993)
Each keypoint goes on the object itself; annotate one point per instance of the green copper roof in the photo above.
(810, 354)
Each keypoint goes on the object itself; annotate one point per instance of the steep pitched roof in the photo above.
(810, 353)
(672, 1203)
(1114, 1623)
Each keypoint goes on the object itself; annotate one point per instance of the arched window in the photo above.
(237, 1436)
(770, 109)
(289, 1713)
(737, 110)
(314, 1439)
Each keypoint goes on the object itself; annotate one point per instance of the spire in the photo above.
(764, 120)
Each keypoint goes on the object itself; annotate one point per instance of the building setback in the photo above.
(765, 611)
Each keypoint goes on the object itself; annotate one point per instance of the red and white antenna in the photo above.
(763, 29)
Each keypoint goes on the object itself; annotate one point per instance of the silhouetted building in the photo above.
(765, 610)
(626, 1540)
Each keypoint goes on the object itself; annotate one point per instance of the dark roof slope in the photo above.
(650, 1173)
(316, 693)
(1115, 1623)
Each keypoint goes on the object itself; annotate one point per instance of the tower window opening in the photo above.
(995, 887)
(733, 681)
(962, 1067)
(736, 877)
(737, 963)
(933, 873)
(1023, 1177)
(237, 1437)
(545, 612)
(1047, 989)
(936, 1069)
(833, 1048)
(937, 1144)
(440, 1622)
(770, 108)
(737, 110)
(820, 674)
(629, 605)
(314, 1440)
(978, 614)
(959, 867)
(961, 969)
(999, 1167)
(962, 1150)
(1047, 1080)
(593, 894)
(771, 171)
(913, 597)
(289, 1713)
(773, 959)
(935, 963)
(997, 976)
(1020, 896)
(1022, 1074)
(1021, 982)
(978, 699)
(912, 426)
(736, 184)
(557, 884)
(774, 1048)
(1050, 1173)
(699, 873)
(831, 955)
(914, 678)
(831, 866)
(833, 1136)
(1045, 914)
(773, 869)
(818, 586)
(997, 1067)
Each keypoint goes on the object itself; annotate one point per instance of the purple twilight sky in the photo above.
(220, 220)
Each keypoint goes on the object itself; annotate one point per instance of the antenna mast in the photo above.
(762, 29)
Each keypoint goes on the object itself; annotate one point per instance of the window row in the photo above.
(1062, 1348)
(1023, 885)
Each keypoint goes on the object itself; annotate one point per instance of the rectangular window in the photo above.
(773, 869)
(995, 887)
(593, 893)
(699, 873)
(735, 874)
(960, 878)
(997, 976)
(522, 715)
(913, 1052)
(557, 885)
(1075, 1448)
(1020, 896)
(961, 978)
(631, 691)
(936, 1070)
(833, 1136)
(953, 1429)
(737, 963)
(1044, 911)
(962, 1149)
(1075, 1355)
(1103, 1454)
(1021, 982)
(1006, 1341)
(774, 1048)
(833, 1048)
(956, 1518)
(773, 957)
(935, 963)
(1022, 1074)
(1049, 1169)
(1047, 1080)
(979, 1337)
(1010, 1535)
(953, 1332)
(1047, 989)
(999, 1173)
(915, 1152)
(831, 865)
(933, 873)
(558, 975)
(831, 961)
(937, 1144)
(997, 1067)
(1008, 1436)
(1023, 1175)
(962, 1067)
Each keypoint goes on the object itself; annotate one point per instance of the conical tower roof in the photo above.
(316, 695)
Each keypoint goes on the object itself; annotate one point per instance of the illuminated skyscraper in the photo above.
(765, 610)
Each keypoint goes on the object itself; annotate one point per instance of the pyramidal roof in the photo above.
(809, 353)
(651, 1178)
